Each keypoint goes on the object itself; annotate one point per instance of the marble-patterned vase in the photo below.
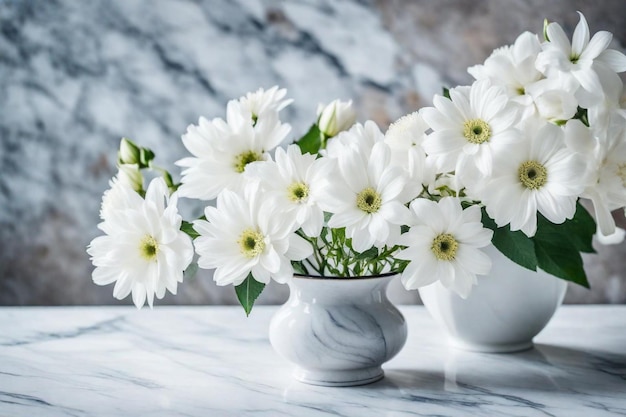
(504, 312)
(338, 331)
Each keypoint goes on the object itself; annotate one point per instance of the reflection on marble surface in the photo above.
(212, 361)
(75, 76)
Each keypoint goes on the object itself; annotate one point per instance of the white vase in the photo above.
(503, 313)
(338, 331)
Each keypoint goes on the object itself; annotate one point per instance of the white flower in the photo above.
(129, 152)
(130, 174)
(247, 234)
(117, 198)
(608, 111)
(360, 138)
(580, 58)
(295, 180)
(253, 107)
(143, 251)
(556, 105)
(335, 117)
(512, 67)
(222, 153)
(442, 245)
(366, 197)
(538, 174)
(405, 137)
(469, 127)
(607, 161)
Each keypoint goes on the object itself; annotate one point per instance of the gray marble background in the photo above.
(76, 75)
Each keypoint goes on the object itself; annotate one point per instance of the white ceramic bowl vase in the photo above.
(504, 312)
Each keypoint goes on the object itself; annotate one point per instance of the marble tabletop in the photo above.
(213, 361)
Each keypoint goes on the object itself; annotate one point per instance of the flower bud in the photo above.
(335, 117)
(556, 105)
(131, 175)
(129, 152)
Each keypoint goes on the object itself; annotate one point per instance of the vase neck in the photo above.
(340, 290)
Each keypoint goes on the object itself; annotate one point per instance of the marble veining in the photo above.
(338, 332)
(213, 361)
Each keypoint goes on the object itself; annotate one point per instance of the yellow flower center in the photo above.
(444, 247)
(148, 248)
(533, 175)
(251, 243)
(244, 159)
(621, 173)
(298, 192)
(476, 131)
(369, 200)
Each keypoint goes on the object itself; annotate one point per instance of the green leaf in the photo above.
(558, 246)
(248, 291)
(562, 260)
(145, 157)
(188, 228)
(514, 245)
(299, 268)
(368, 254)
(581, 114)
(311, 141)
(578, 231)
(446, 93)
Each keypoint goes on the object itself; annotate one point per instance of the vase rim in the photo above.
(338, 278)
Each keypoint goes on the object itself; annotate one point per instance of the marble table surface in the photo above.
(213, 361)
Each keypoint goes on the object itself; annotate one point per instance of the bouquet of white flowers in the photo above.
(503, 161)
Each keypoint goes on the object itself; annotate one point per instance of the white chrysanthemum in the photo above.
(366, 197)
(360, 138)
(295, 180)
(247, 234)
(405, 137)
(606, 158)
(221, 154)
(468, 127)
(538, 174)
(512, 67)
(580, 58)
(252, 107)
(144, 251)
(443, 245)
(116, 198)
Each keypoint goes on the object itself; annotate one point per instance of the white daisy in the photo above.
(366, 197)
(405, 137)
(221, 154)
(468, 127)
(144, 251)
(607, 161)
(512, 67)
(442, 245)
(295, 180)
(253, 107)
(360, 138)
(538, 174)
(580, 58)
(245, 234)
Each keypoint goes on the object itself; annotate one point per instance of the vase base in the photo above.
(347, 378)
(491, 348)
